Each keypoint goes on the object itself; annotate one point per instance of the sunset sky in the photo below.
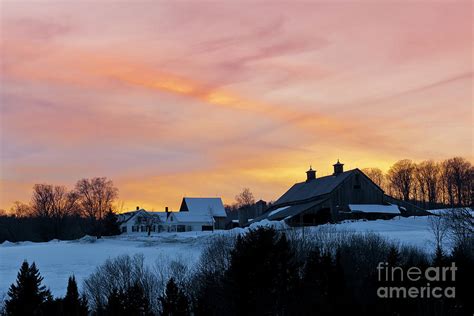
(193, 98)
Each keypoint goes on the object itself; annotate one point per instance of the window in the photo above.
(134, 228)
(124, 229)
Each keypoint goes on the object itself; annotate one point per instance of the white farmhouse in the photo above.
(195, 214)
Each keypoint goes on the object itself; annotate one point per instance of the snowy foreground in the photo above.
(57, 260)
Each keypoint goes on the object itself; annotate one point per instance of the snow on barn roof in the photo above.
(374, 208)
(203, 206)
(274, 212)
(287, 211)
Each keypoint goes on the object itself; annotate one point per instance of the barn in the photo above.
(341, 195)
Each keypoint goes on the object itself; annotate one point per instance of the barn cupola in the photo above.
(338, 168)
(310, 174)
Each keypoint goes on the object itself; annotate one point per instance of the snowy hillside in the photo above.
(57, 260)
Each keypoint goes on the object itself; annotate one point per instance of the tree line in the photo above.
(261, 272)
(429, 184)
(55, 212)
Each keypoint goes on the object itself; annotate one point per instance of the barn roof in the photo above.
(314, 188)
(290, 211)
(287, 211)
(204, 206)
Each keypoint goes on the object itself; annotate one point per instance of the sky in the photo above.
(203, 98)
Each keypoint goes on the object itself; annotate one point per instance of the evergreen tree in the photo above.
(131, 301)
(28, 295)
(110, 224)
(439, 258)
(174, 301)
(393, 257)
(310, 289)
(136, 302)
(262, 274)
(73, 305)
(115, 303)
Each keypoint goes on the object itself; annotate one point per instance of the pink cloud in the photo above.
(155, 91)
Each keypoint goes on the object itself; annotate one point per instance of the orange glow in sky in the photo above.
(173, 99)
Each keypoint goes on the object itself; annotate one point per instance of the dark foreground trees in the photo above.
(174, 301)
(27, 296)
(72, 304)
(263, 272)
(56, 212)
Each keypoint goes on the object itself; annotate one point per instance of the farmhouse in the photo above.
(195, 214)
(342, 195)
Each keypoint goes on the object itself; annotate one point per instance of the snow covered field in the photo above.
(414, 231)
(57, 260)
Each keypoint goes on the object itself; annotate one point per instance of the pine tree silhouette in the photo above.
(115, 303)
(73, 304)
(262, 274)
(110, 224)
(28, 295)
(132, 301)
(393, 257)
(136, 302)
(439, 258)
(174, 302)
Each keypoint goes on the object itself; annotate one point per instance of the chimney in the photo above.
(167, 212)
(310, 174)
(138, 208)
(338, 168)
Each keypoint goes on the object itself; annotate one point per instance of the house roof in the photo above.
(374, 208)
(125, 217)
(313, 188)
(160, 215)
(187, 217)
(203, 206)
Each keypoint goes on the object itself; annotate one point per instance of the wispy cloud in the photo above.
(203, 98)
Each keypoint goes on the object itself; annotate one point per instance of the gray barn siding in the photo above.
(347, 193)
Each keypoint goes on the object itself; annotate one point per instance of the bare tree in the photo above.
(400, 177)
(42, 200)
(457, 179)
(54, 204)
(96, 197)
(461, 224)
(64, 202)
(439, 227)
(245, 198)
(376, 175)
(20, 209)
(426, 175)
